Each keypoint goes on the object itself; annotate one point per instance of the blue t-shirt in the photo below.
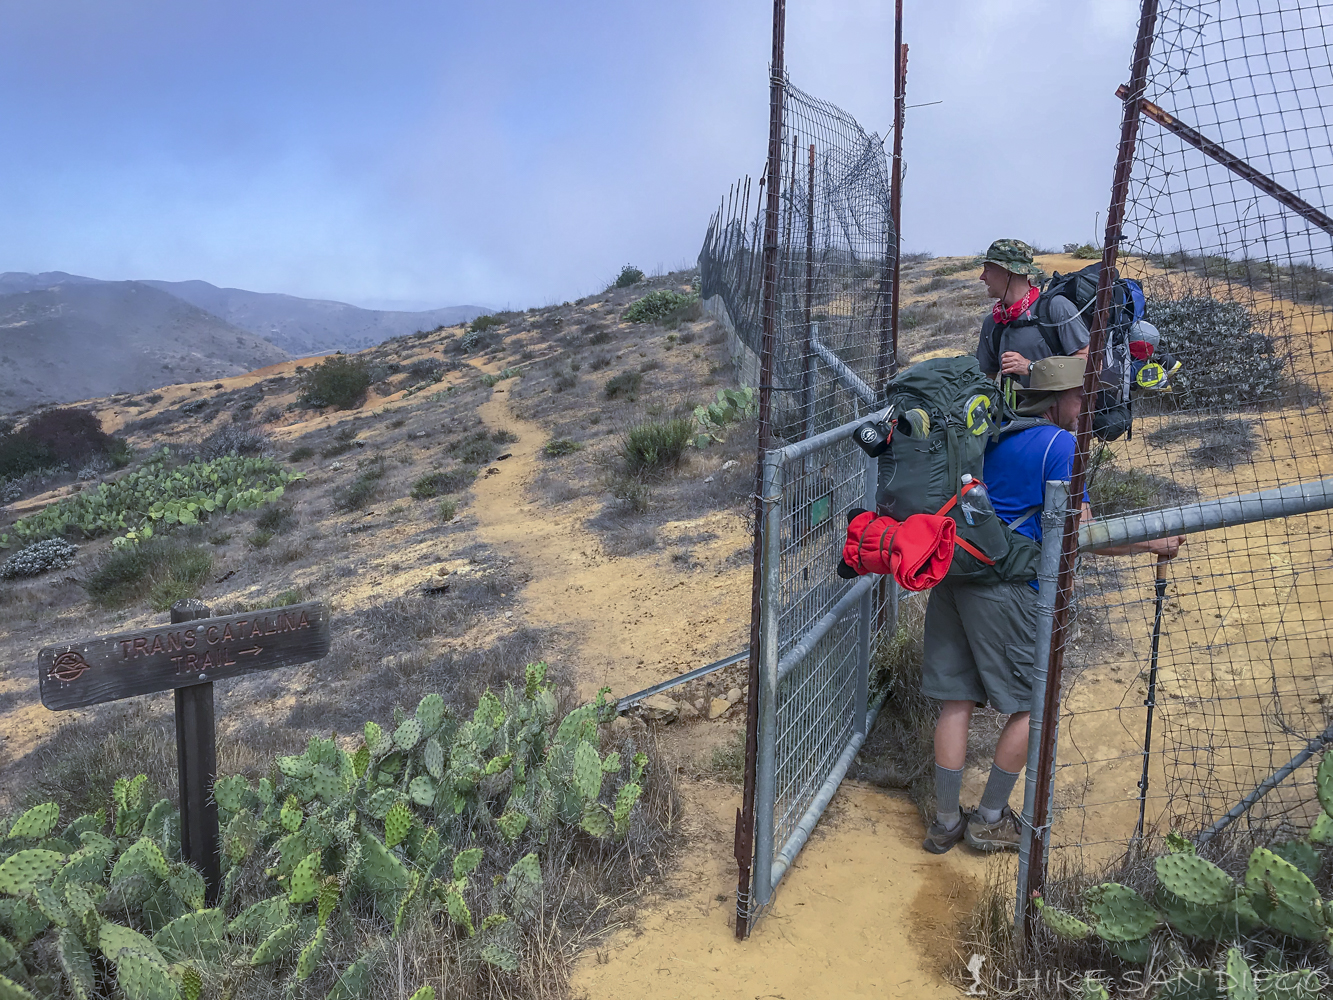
(1017, 468)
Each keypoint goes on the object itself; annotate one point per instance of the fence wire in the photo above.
(836, 251)
(832, 355)
(1226, 228)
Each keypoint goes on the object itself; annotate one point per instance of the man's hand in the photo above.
(1013, 363)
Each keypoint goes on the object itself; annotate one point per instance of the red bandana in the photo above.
(1007, 314)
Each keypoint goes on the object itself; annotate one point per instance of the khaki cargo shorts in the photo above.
(979, 644)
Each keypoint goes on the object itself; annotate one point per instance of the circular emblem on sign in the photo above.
(1151, 375)
(69, 667)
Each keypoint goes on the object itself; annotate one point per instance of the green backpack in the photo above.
(944, 413)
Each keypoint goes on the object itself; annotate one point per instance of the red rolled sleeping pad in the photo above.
(915, 552)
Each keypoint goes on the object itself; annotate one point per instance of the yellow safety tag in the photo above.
(1150, 376)
(978, 414)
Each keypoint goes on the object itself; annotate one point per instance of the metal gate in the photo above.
(816, 638)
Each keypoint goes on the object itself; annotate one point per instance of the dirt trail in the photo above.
(864, 912)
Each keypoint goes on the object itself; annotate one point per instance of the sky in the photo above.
(409, 154)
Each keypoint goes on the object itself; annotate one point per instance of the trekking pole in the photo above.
(1151, 701)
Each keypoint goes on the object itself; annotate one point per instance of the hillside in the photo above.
(304, 327)
(80, 340)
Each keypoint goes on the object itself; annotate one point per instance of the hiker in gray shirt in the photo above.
(1011, 341)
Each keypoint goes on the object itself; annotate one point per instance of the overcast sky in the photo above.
(419, 154)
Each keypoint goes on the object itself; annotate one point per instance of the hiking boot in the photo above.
(940, 838)
(1002, 835)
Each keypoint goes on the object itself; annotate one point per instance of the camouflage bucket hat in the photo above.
(1014, 256)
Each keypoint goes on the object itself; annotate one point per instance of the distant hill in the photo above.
(65, 337)
(78, 339)
(309, 326)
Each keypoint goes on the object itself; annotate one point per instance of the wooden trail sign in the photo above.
(188, 656)
(181, 654)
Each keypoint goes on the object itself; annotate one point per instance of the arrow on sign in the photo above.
(250, 652)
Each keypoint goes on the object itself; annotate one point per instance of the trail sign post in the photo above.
(187, 655)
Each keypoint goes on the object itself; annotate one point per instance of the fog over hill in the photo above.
(311, 326)
(82, 339)
(65, 337)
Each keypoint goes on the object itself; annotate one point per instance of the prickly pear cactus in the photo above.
(21, 872)
(1239, 977)
(1093, 989)
(305, 880)
(353, 981)
(397, 821)
(36, 823)
(1063, 923)
(1195, 880)
(1283, 897)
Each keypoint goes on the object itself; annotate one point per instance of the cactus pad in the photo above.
(261, 919)
(535, 676)
(1063, 923)
(298, 767)
(379, 803)
(456, 906)
(422, 790)
(512, 824)
(1322, 831)
(425, 993)
(382, 873)
(49, 903)
(490, 713)
(227, 792)
(625, 800)
(373, 734)
(240, 837)
(290, 816)
(612, 763)
(1215, 923)
(140, 858)
(113, 938)
(1301, 854)
(304, 883)
(77, 965)
(465, 862)
(1093, 989)
(1133, 952)
(407, 735)
(8, 955)
(192, 984)
(329, 891)
(1195, 880)
(360, 761)
(1324, 782)
(397, 821)
(1283, 897)
(596, 820)
(277, 945)
(10, 990)
(311, 954)
(144, 977)
(196, 935)
(433, 757)
(1239, 977)
(353, 981)
(587, 772)
(36, 823)
(1121, 914)
(430, 712)
(187, 885)
(21, 872)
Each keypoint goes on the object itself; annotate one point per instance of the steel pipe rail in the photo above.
(1223, 512)
(849, 378)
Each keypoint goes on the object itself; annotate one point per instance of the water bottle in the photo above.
(975, 503)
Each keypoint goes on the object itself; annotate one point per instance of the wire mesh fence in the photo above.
(1225, 228)
(836, 253)
(832, 352)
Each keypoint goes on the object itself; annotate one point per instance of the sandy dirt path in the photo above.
(864, 912)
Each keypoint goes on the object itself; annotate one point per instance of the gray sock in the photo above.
(999, 786)
(948, 785)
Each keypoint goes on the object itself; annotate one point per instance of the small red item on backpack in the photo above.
(1141, 350)
(915, 552)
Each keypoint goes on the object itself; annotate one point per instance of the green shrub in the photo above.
(477, 448)
(1225, 361)
(483, 323)
(1087, 252)
(556, 447)
(435, 484)
(300, 454)
(629, 275)
(338, 381)
(39, 557)
(654, 446)
(657, 306)
(361, 490)
(624, 386)
(275, 519)
(156, 495)
(260, 539)
(62, 436)
(504, 436)
(448, 509)
(162, 569)
(1115, 491)
(489, 380)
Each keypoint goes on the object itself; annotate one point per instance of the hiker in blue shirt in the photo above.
(980, 638)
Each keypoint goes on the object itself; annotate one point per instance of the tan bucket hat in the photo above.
(1050, 377)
